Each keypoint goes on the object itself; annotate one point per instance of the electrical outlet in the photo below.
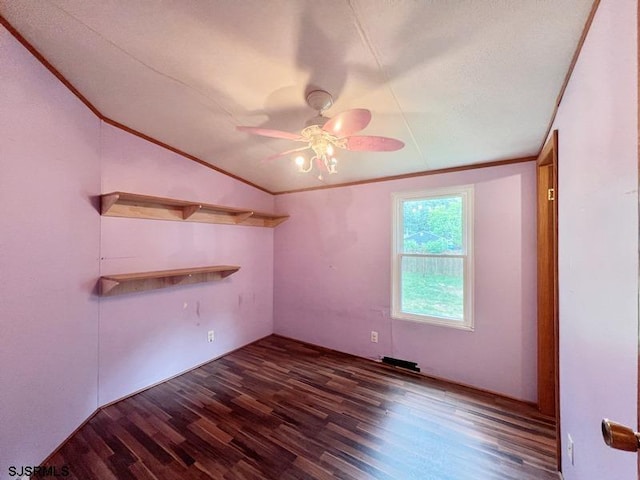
(570, 449)
(210, 336)
(374, 336)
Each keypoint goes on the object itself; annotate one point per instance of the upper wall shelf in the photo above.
(132, 205)
(140, 282)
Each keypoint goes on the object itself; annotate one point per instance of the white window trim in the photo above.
(467, 193)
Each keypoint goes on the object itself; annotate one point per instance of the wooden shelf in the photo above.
(121, 204)
(139, 282)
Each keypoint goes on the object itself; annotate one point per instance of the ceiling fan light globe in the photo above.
(333, 165)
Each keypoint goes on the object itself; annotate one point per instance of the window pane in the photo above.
(433, 286)
(432, 225)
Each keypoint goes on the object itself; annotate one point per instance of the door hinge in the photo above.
(551, 194)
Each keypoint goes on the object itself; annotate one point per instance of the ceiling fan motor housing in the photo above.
(319, 100)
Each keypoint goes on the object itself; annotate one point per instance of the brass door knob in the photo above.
(620, 436)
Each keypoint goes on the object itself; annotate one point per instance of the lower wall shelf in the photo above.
(139, 282)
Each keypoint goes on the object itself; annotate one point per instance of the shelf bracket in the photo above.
(276, 221)
(189, 210)
(106, 285)
(242, 216)
(177, 279)
(226, 273)
(107, 201)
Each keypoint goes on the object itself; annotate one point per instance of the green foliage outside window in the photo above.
(433, 226)
(433, 286)
(432, 274)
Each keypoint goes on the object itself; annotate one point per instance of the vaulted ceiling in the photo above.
(459, 81)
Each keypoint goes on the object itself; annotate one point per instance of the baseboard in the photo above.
(160, 382)
(484, 391)
(77, 429)
(55, 452)
(470, 388)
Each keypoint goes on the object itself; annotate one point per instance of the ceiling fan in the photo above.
(323, 135)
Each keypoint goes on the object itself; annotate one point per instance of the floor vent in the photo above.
(401, 363)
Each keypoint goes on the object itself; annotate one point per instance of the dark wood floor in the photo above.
(279, 409)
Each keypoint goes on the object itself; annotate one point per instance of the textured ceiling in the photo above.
(460, 82)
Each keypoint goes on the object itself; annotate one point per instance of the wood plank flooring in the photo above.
(280, 409)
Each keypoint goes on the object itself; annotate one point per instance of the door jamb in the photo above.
(549, 157)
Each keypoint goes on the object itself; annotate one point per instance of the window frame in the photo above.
(466, 192)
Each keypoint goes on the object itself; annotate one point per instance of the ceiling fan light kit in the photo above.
(323, 135)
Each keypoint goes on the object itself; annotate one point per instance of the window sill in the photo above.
(424, 320)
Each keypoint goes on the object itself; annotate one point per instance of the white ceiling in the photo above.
(459, 81)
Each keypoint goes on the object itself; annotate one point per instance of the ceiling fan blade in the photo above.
(373, 144)
(348, 123)
(265, 132)
(283, 154)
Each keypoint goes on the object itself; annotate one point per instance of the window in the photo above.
(432, 274)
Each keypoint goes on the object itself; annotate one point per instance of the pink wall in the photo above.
(598, 244)
(332, 279)
(145, 338)
(49, 249)
(64, 351)
(330, 265)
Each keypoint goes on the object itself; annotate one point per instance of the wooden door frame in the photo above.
(548, 319)
(638, 163)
